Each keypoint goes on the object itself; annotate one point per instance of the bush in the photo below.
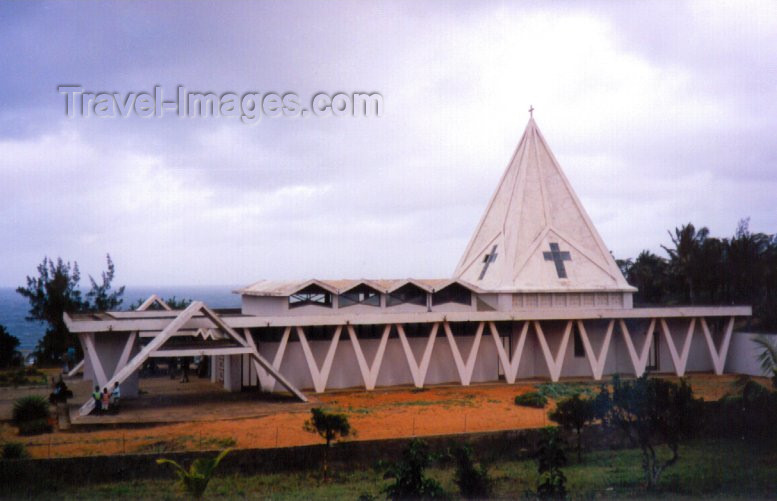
(531, 399)
(573, 414)
(550, 458)
(408, 475)
(473, 482)
(651, 412)
(31, 415)
(35, 427)
(15, 450)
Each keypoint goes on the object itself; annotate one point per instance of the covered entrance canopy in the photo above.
(212, 337)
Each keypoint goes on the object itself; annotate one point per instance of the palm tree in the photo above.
(195, 480)
(768, 356)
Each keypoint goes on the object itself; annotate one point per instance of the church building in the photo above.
(536, 294)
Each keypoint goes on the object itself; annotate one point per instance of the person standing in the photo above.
(115, 396)
(106, 400)
(98, 403)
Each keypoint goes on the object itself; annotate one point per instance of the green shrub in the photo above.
(31, 415)
(550, 458)
(531, 399)
(195, 480)
(473, 481)
(34, 427)
(573, 414)
(15, 450)
(408, 474)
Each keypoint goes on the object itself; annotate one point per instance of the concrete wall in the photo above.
(743, 354)
(109, 349)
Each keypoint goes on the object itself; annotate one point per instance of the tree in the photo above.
(408, 474)
(330, 427)
(56, 291)
(100, 297)
(649, 274)
(550, 458)
(195, 480)
(651, 412)
(9, 355)
(52, 293)
(573, 414)
(684, 259)
(473, 481)
(173, 302)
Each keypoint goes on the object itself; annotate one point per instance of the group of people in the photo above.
(104, 401)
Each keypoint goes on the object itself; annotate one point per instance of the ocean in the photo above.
(14, 307)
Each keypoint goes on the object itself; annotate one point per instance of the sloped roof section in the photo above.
(535, 234)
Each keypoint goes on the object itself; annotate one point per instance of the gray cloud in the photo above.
(659, 113)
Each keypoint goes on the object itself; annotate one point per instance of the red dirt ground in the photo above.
(382, 413)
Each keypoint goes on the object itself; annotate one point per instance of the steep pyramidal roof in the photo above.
(535, 234)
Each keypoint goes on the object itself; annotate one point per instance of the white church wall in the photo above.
(109, 349)
(743, 354)
(698, 356)
(527, 367)
(260, 305)
(394, 370)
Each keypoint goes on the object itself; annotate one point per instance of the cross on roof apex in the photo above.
(531, 111)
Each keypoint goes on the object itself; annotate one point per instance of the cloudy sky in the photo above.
(660, 113)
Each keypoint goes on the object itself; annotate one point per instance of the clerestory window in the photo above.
(311, 295)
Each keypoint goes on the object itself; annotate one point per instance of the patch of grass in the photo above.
(23, 376)
(185, 443)
(359, 410)
(722, 469)
(557, 391)
(532, 399)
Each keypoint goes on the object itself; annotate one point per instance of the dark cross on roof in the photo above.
(558, 259)
(488, 259)
(531, 111)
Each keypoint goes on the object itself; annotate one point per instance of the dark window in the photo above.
(579, 348)
(360, 294)
(312, 294)
(454, 293)
(408, 293)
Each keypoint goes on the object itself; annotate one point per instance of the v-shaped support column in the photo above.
(510, 365)
(555, 364)
(597, 362)
(465, 369)
(267, 380)
(680, 360)
(369, 372)
(638, 361)
(718, 357)
(319, 376)
(418, 371)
